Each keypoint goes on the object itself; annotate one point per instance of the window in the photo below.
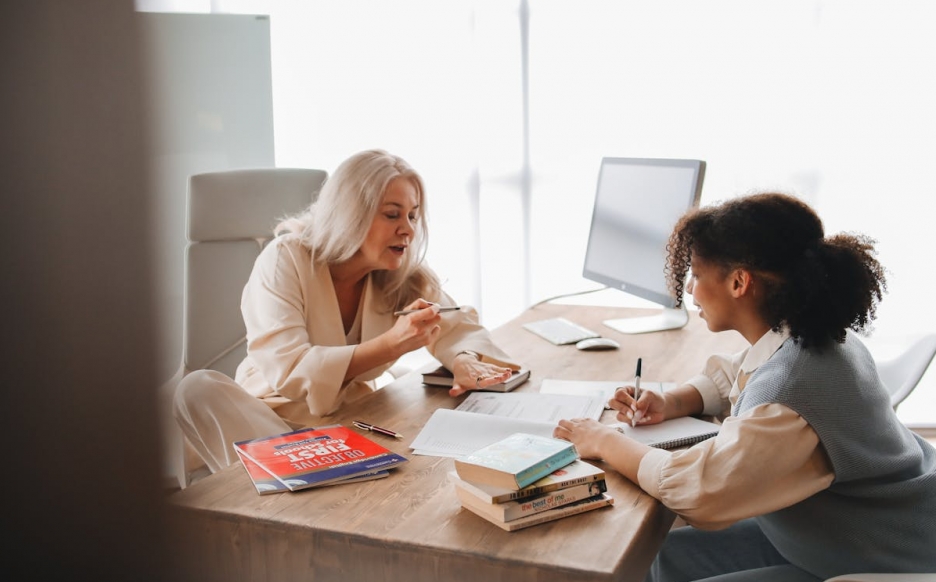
(507, 108)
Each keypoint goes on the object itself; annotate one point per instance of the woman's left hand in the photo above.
(588, 435)
(473, 374)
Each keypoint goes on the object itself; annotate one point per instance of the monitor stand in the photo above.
(669, 319)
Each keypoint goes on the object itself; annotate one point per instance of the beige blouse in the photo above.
(764, 460)
(297, 349)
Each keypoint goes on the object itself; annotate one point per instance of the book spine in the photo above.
(565, 511)
(518, 509)
(534, 491)
(540, 470)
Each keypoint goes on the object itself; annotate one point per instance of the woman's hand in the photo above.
(415, 330)
(471, 374)
(650, 409)
(594, 440)
(589, 436)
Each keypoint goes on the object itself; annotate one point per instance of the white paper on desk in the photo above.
(602, 389)
(534, 406)
(453, 433)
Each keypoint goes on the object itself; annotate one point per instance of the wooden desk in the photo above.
(410, 526)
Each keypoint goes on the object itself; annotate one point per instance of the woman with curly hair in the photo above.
(812, 475)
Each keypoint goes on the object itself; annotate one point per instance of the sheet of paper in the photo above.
(602, 389)
(534, 406)
(453, 433)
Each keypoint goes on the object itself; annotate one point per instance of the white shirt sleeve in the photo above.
(715, 382)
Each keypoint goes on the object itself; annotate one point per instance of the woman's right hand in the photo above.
(649, 409)
(418, 329)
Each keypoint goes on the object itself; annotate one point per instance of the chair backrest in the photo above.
(230, 217)
(902, 373)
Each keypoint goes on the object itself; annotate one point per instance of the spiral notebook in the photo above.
(673, 433)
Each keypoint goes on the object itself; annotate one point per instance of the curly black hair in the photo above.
(815, 286)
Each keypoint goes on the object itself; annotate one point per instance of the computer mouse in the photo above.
(597, 343)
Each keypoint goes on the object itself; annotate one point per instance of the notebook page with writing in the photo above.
(673, 433)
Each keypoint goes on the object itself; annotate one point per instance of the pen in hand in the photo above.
(374, 428)
(441, 310)
(636, 392)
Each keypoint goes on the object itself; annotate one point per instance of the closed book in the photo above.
(266, 483)
(511, 510)
(581, 506)
(441, 376)
(516, 461)
(263, 482)
(575, 473)
(311, 457)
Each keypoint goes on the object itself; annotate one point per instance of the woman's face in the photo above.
(710, 288)
(392, 230)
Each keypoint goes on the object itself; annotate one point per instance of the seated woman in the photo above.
(319, 311)
(812, 475)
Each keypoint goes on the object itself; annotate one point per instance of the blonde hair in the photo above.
(335, 225)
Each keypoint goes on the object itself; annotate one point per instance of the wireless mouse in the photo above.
(597, 343)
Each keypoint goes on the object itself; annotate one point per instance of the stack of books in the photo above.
(525, 479)
(314, 457)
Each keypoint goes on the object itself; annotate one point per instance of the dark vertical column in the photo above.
(80, 458)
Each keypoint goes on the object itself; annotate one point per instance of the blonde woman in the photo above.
(319, 311)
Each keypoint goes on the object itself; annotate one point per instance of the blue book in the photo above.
(516, 461)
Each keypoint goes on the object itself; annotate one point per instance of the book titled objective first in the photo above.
(316, 456)
(515, 461)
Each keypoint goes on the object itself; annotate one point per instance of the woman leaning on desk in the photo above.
(319, 310)
(811, 475)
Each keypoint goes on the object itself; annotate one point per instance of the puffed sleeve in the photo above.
(741, 472)
(280, 305)
(715, 382)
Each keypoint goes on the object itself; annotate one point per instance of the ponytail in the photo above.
(815, 286)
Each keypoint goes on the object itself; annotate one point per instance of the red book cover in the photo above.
(263, 481)
(316, 456)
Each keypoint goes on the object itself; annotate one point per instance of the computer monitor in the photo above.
(637, 203)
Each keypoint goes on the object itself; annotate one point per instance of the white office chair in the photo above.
(902, 373)
(230, 216)
(884, 578)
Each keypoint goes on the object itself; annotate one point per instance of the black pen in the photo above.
(374, 428)
(636, 390)
(441, 310)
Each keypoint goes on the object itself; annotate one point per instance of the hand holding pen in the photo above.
(652, 407)
(441, 310)
(416, 326)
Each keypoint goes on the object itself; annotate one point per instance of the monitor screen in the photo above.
(637, 204)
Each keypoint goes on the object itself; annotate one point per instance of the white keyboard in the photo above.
(559, 330)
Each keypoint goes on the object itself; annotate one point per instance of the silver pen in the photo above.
(441, 310)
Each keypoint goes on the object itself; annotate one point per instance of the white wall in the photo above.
(211, 109)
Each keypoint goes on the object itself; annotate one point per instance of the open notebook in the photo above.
(673, 433)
